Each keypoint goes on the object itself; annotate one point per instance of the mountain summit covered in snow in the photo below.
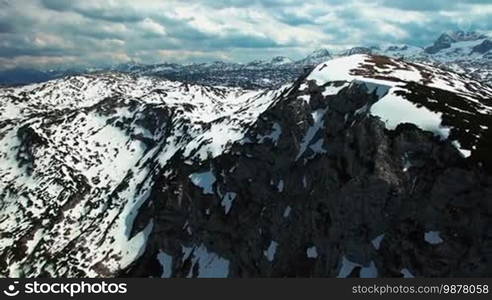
(446, 40)
(364, 166)
(468, 53)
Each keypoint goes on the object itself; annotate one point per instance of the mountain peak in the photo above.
(319, 53)
(281, 60)
(316, 57)
(462, 36)
(357, 50)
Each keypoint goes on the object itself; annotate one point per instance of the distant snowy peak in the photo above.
(477, 51)
(463, 36)
(281, 60)
(391, 50)
(319, 53)
(357, 50)
(316, 57)
(446, 40)
(483, 47)
(401, 51)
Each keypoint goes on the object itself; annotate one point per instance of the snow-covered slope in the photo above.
(455, 40)
(316, 57)
(407, 92)
(77, 159)
(110, 174)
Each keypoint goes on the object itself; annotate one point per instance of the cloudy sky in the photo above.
(49, 33)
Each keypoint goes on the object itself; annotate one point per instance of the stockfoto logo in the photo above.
(11, 290)
(70, 289)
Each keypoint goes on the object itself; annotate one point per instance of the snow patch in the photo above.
(376, 242)
(227, 201)
(287, 211)
(433, 237)
(465, 153)
(318, 123)
(312, 252)
(166, 262)
(330, 90)
(406, 273)
(204, 180)
(394, 110)
(270, 252)
(336, 69)
(280, 186)
(210, 265)
(318, 147)
(274, 135)
(305, 98)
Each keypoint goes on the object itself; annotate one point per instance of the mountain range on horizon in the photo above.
(463, 52)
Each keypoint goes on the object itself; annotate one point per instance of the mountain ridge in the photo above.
(462, 52)
(112, 174)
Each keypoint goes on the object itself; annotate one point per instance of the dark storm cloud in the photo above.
(240, 41)
(59, 5)
(101, 32)
(120, 14)
(294, 19)
(5, 27)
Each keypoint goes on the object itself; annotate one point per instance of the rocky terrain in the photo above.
(365, 166)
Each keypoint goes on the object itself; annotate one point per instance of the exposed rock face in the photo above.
(357, 183)
(484, 47)
(335, 175)
(447, 39)
(359, 50)
(317, 57)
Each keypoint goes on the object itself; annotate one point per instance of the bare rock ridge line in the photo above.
(365, 166)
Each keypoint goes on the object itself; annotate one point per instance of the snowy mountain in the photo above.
(471, 56)
(317, 57)
(406, 52)
(365, 166)
(448, 39)
(281, 60)
(467, 53)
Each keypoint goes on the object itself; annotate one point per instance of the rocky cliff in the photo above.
(366, 166)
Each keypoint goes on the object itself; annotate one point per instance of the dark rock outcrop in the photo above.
(368, 183)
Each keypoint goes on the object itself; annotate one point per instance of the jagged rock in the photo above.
(484, 47)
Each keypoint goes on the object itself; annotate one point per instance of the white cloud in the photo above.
(153, 27)
(240, 30)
